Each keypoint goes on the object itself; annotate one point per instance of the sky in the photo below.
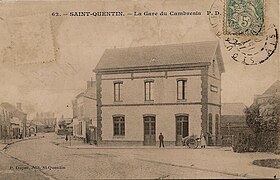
(46, 60)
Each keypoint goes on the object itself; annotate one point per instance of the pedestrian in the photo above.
(66, 138)
(203, 141)
(161, 137)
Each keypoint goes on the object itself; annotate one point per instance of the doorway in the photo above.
(182, 128)
(149, 130)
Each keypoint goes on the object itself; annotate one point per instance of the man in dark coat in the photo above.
(161, 140)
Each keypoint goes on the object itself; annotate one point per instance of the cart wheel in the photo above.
(192, 144)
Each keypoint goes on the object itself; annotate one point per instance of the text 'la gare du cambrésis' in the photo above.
(146, 13)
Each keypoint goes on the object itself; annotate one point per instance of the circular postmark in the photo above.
(247, 48)
(216, 17)
(252, 50)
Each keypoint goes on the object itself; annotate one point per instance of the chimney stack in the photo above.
(19, 106)
(89, 84)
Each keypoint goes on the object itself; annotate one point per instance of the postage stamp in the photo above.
(240, 26)
(244, 17)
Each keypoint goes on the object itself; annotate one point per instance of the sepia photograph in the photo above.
(118, 89)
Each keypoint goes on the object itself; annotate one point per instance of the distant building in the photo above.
(273, 90)
(233, 122)
(266, 108)
(31, 127)
(170, 89)
(64, 126)
(17, 119)
(45, 122)
(5, 124)
(84, 113)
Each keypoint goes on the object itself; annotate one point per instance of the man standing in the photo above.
(161, 140)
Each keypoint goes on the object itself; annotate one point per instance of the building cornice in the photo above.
(159, 68)
(159, 104)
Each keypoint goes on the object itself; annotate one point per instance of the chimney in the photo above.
(89, 84)
(19, 106)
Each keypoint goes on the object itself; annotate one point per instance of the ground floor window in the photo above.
(217, 125)
(182, 125)
(119, 125)
(210, 124)
(79, 128)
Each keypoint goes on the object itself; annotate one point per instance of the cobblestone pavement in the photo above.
(65, 163)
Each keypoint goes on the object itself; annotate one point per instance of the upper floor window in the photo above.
(149, 90)
(81, 110)
(213, 66)
(181, 89)
(117, 91)
(213, 88)
(119, 125)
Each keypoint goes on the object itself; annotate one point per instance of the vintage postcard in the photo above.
(115, 89)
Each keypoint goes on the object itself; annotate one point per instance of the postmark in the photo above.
(244, 17)
(249, 45)
(252, 50)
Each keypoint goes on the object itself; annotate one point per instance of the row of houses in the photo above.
(13, 122)
(84, 114)
(140, 92)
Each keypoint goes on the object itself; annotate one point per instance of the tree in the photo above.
(263, 119)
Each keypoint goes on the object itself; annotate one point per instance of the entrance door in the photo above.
(182, 128)
(149, 130)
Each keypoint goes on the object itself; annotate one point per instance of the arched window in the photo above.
(210, 124)
(217, 124)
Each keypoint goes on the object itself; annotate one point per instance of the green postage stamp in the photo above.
(244, 17)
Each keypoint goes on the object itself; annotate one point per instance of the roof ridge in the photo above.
(178, 44)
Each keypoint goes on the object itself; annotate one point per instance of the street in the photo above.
(48, 159)
(11, 168)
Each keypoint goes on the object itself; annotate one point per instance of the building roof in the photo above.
(233, 120)
(274, 88)
(66, 120)
(233, 109)
(15, 120)
(11, 108)
(160, 55)
(88, 93)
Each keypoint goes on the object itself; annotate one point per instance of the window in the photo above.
(213, 66)
(81, 111)
(182, 125)
(149, 125)
(119, 125)
(181, 89)
(213, 88)
(80, 128)
(217, 125)
(117, 91)
(149, 90)
(210, 124)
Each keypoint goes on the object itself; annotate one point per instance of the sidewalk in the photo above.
(12, 141)
(79, 144)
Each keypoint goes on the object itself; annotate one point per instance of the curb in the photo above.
(120, 147)
(8, 144)
(197, 168)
